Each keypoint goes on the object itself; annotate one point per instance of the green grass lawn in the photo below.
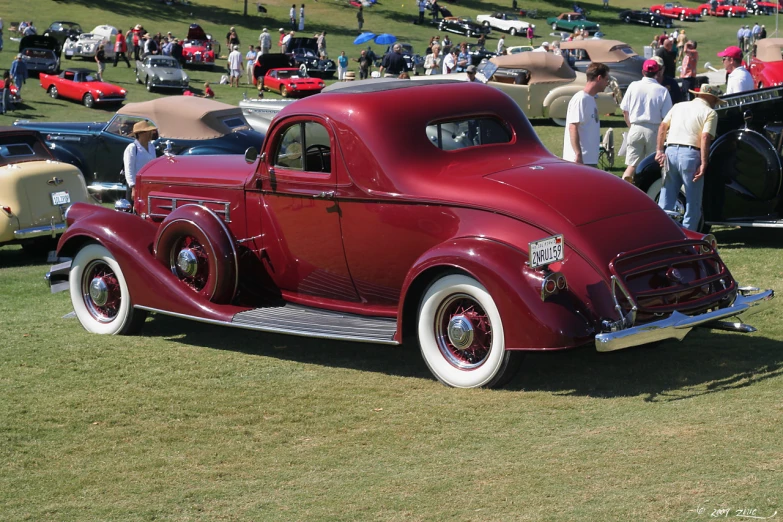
(196, 422)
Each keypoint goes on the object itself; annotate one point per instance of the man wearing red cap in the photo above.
(740, 79)
(644, 106)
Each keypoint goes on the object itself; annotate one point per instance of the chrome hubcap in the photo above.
(99, 292)
(187, 262)
(460, 332)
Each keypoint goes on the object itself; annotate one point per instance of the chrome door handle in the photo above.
(324, 195)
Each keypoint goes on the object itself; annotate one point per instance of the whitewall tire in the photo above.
(99, 293)
(461, 335)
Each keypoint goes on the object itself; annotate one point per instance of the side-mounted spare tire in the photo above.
(199, 250)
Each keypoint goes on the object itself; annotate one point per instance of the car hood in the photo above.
(39, 41)
(164, 73)
(45, 127)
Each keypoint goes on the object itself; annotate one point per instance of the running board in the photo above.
(756, 224)
(307, 322)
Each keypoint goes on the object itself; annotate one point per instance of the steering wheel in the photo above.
(322, 151)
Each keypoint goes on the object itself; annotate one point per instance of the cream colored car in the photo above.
(542, 84)
(35, 191)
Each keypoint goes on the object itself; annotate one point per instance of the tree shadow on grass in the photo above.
(14, 256)
(705, 362)
(737, 238)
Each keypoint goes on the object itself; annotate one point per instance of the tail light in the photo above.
(553, 283)
(7, 210)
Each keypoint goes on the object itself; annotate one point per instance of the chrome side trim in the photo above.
(47, 230)
(678, 325)
(181, 202)
(106, 187)
(247, 326)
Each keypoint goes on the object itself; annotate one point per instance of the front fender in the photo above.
(129, 239)
(528, 322)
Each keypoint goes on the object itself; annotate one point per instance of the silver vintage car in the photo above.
(161, 72)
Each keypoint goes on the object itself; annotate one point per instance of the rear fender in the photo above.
(130, 240)
(529, 322)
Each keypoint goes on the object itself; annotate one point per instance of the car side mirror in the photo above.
(251, 154)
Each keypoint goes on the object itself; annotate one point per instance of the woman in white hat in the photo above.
(138, 154)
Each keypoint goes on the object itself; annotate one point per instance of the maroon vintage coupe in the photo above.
(450, 223)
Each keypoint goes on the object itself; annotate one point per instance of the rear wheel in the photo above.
(554, 27)
(99, 293)
(704, 12)
(682, 17)
(88, 100)
(461, 335)
(53, 92)
(560, 121)
(148, 84)
(513, 31)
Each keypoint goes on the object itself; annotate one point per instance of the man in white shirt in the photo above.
(543, 49)
(502, 45)
(583, 130)
(687, 131)
(250, 59)
(450, 62)
(644, 106)
(740, 79)
(235, 66)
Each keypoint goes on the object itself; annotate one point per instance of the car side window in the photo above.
(464, 133)
(123, 125)
(306, 147)
(289, 151)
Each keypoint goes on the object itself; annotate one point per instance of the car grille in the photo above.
(687, 276)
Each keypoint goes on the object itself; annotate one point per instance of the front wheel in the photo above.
(682, 17)
(148, 84)
(554, 27)
(88, 100)
(559, 121)
(704, 12)
(461, 335)
(283, 91)
(99, 294)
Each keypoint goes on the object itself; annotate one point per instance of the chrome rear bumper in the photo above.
(678, 325)
(52, 230)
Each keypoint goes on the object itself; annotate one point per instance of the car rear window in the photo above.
(18, 149)
(468, 132)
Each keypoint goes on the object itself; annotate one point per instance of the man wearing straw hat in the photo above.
(686, 133)
(138, 154)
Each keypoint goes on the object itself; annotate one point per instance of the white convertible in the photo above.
(87, 44)
(505, 22)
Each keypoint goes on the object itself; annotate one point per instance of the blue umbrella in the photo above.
(385, 39)
(364, 37)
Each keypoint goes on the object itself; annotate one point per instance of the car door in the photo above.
(110, 145)
(67, 85)
(301, 213)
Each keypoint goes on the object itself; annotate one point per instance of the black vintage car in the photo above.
(645, 17)
(62, 31)
(304, 51)
(743, 185)
(187, 125)
(462, 25)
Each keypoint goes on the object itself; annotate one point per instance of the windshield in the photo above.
(164, 62)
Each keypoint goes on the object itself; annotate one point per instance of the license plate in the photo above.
(68, 52)
(61, 198)
(546, 251)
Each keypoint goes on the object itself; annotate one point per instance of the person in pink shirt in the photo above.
(688, 69)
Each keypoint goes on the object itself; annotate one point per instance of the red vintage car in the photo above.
(723, 8)
(81, 85)
(200, 48)
(676, 10)
(767, 66)
(290, 81)
(484, 247)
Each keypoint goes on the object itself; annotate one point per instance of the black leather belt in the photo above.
(683, 146)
